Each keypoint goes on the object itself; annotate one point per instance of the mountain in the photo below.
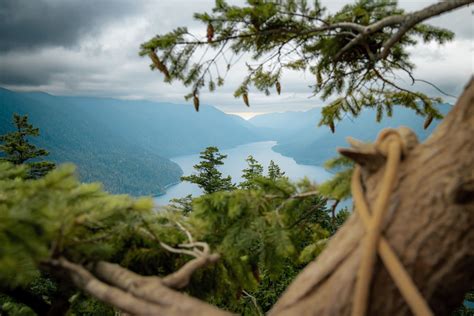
(309, 144)
(282, 125)
(124, 144)
(167, 129)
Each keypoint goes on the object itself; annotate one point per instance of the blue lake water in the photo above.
(235, 163)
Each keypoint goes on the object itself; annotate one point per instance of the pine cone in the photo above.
(332, 127)
(278, 87)
(196, 102)
(428, 121)
(246, 99)
(159, 65)
(210, 33)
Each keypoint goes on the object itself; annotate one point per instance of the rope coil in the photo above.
(391, 144)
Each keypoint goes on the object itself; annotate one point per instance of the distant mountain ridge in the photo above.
(282, 125)
(127, 144)
(154, 124)
(313, 144)
(123, 144)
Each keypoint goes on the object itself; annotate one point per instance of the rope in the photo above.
(389, 143)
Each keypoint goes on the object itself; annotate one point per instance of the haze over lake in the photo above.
(235, 163)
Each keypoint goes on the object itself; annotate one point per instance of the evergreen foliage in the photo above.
(183, 204)
(261, 233)
(264, 235)
(52, 216)
(266, 232)
(208, 177)
(251, 173)
(348, 59)
(339, 186)
(16, 148)
(274, 171)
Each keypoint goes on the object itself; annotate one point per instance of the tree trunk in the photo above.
(429, 224)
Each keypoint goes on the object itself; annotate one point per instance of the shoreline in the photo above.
(166, 187)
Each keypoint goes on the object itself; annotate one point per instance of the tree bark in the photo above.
(430, 225)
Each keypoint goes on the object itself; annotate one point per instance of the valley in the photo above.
(143, 147)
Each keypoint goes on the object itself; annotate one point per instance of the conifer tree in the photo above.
(251, 173)
(16, 148)
(274, 171)
(183, 204)
(208, 177)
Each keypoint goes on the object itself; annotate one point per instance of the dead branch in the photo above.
(406, 22)
(139, 295)
(85, 281)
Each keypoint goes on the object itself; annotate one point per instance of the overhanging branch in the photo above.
(414, 18)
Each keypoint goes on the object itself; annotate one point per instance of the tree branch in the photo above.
(414, 18)
(131, 292)
(407, 23)
(85, 281)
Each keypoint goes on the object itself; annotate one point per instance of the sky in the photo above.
(90, 47)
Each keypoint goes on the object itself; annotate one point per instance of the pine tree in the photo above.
(208, 177)
(183, 204)
(250, 174)
(16, 148)
(274, 171)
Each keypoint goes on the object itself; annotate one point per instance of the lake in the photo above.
(235, 163)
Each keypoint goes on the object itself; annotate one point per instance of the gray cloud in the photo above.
(26, 24)
(91, 48)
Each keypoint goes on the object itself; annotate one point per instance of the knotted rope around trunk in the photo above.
(391, 145)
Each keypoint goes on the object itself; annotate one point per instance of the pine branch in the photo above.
(410, 20)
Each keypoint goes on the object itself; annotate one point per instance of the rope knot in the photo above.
(389, 148)
(403, 135)
(372, 156)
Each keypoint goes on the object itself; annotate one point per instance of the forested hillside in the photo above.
(168, 129)
(123, 144)
(309, 143)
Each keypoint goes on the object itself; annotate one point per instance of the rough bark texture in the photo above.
(430, 225)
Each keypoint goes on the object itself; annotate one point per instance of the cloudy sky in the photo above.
(90, 47)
